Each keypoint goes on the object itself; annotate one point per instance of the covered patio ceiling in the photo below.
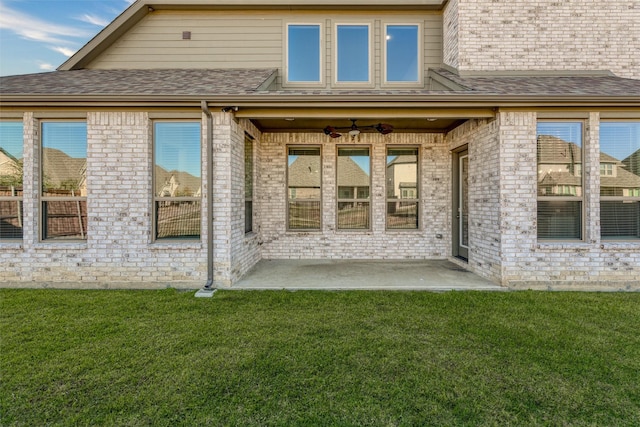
(315, 120)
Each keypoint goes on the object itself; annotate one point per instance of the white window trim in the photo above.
(369, 82)
(286, 82)
(420, 59)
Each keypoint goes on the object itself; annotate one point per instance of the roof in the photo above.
(578, 83)
(194, 82)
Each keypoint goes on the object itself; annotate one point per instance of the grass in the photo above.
(131, 358)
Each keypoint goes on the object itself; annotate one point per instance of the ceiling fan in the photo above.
(354, 129)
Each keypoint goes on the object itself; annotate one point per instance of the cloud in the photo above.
(63, 50)
(94, 20)
(32, 28)
(46, 66)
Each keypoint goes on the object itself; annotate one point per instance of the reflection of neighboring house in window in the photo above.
(353, 182)
(10, 170)
(559, 170)
(176, 184)
(559, 167)
(624, 179)
(401, 173)
(304, 178)
(64, 174)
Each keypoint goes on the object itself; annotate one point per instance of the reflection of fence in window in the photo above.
(65, 219)
(304, 215)
(353, 215)
(177, 219)
(10, 212)
(402, 215)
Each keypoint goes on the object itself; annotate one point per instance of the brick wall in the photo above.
(450, 34)
(528, 263)
(482, 139)
(378, 243)
(545, 35)
(118, 251)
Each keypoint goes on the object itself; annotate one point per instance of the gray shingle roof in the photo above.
(211, 82)
(598, 85)
(138, 82)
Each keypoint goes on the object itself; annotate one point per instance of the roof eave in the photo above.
(319, 101)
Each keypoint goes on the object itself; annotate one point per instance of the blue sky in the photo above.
(38, 35)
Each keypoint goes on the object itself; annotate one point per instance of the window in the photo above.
(402, 188)
(353, 54)
(606, 169)
(63, 180)
(354, 182)
(10, 180)
(304, 188)
(402, 54)
(177, 180)
(248, 184)
(303, 53)
(559, 155)
(620, 184)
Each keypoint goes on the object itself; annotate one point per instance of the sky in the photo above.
(39, 35)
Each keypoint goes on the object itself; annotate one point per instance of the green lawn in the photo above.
(244, 358)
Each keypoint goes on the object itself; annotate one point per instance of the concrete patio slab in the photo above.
(423, 275)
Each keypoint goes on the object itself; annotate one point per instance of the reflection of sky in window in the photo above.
(353, 53)
(177, 146)
(68, 137)
(11, 138)
(303, 53)
(359, 156)
(402, 53)
(569, 131)
(619, 139)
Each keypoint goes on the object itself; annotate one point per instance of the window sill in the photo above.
(50, 244)
(176, 244)
(633, 245)
(11, 245)
(545, 246)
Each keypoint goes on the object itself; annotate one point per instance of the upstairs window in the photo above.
(402, 54)
(353, 54)
(63, 179)
(559, 154)
(620, 180)
(11, 172)
(177, 180)
(303, 53)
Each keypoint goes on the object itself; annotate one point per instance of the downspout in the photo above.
(208, 287)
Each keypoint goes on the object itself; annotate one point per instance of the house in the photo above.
(194, 138)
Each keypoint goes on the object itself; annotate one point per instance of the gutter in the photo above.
(208, 290)
(439, 100)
